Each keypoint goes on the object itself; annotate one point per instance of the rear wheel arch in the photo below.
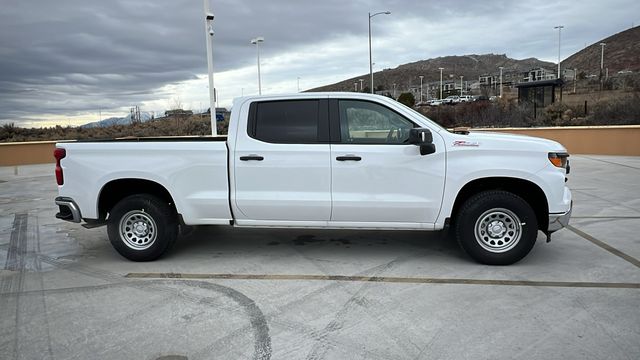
(116, 190)
(527, 190)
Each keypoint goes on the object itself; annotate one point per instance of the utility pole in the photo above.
(257, 42)
(559, 27)
(208, 28)
(441, 82)
(370, 57)
(501, 67)
(602, 45)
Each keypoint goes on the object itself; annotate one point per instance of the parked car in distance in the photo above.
(434, 102)
(480, 98)
(466, 98)
(451, 100)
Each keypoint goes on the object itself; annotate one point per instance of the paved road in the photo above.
(303, 294)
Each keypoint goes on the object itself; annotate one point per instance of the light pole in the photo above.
(421, 76)
(501, 67)
(559, 27)
(602, 45)
(441, 82)
(370, 58)
(208, 28)
(257, 42)
(461, 76)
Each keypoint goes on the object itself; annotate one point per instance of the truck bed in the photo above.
(194, 169)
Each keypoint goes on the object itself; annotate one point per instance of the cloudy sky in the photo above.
(72, 61)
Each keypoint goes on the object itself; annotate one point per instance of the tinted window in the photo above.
(363, 122)
(286, 122)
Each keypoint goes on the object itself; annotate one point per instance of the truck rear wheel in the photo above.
(142, 227)
(496, 227)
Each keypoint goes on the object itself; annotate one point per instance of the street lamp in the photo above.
(441, 82)
(559, 27)
(602, 57)
(461, 88)
(370, 58)
(208, 28)
(501, 67)
(421, 76)
(257, 42)
(602, 45)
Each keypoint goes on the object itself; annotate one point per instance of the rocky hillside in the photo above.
(469, 66)
(621, 53)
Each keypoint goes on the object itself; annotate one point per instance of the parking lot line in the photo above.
(387, 279)
(605, 246)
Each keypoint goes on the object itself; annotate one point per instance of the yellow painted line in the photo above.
(386, 279)
(605, 246)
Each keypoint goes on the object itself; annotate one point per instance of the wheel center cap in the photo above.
(140, 229)
(496, 229)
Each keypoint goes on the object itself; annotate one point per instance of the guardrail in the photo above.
(595, 140)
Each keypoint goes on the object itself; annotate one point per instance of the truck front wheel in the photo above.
(142, 227)
(496, 227)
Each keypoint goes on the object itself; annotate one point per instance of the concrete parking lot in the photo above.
(225, 293)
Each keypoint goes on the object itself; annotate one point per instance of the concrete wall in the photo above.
(595, 140)
(27, 153)
(601, 140)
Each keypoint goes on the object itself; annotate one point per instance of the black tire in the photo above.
(496, 227)
(142, 227)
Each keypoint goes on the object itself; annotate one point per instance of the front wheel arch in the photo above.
(525, 189)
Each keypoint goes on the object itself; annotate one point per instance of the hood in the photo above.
(481, 139)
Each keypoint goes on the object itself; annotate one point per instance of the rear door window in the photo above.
(286, 122)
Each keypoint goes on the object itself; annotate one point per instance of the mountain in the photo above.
(469, 66)
(144, 117)
(621, 53)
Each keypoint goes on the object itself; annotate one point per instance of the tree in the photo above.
(407, 99)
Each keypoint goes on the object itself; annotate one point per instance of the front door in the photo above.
(376, 175)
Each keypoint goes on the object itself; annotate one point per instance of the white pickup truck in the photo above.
(320, 160)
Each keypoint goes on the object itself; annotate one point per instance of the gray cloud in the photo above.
(68, 57)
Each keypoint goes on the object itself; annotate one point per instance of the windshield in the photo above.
(424, 117)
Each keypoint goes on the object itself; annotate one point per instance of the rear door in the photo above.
(376, 175)
(282, 162)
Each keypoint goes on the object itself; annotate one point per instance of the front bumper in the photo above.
(558, 221)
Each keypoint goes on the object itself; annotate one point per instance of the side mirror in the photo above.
(423, 138)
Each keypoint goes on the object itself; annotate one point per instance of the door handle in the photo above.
(251, 157)
(349, 158)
